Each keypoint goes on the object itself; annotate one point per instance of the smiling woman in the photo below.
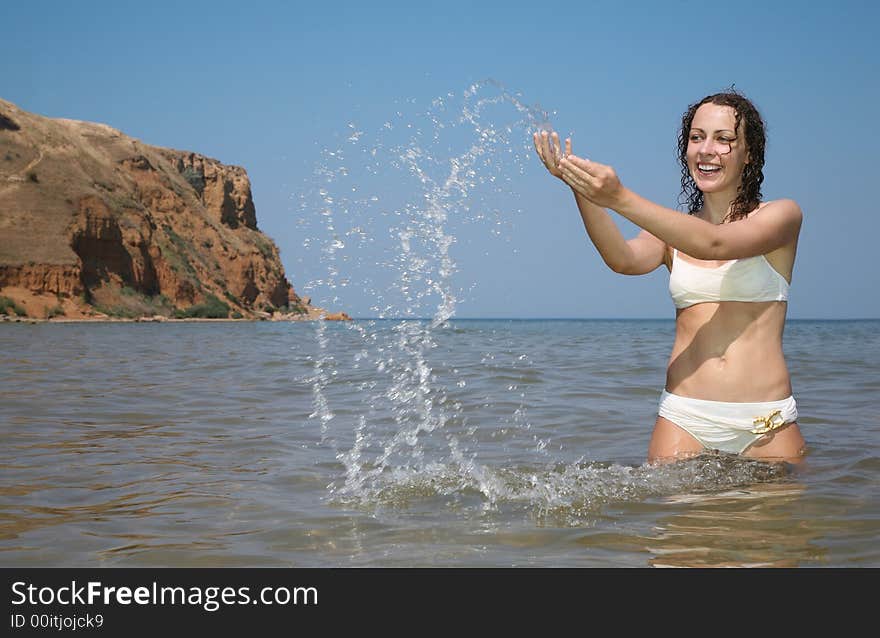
(740, 152)
(730, 261)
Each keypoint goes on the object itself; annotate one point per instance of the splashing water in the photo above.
(391, 206)
(393, 203)
(566, 494)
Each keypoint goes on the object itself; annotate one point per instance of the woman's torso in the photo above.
(731, 350)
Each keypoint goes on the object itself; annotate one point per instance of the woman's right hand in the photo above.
(550, 151)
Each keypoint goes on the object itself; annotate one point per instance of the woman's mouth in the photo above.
(707, 170)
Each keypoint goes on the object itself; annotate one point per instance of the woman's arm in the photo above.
(637, 256)
(777, 224)
(634, 257)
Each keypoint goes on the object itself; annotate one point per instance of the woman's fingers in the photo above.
(575, 176)
(537, 141)
(583, 164)
(547, 146)
(550, 157)
(570, 174)
(540, 145)
(556, 148)
(556, 154)
(548, 149)
(568, 164)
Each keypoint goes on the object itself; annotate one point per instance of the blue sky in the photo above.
(274, 86)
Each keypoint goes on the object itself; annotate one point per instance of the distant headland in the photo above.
(96, 225)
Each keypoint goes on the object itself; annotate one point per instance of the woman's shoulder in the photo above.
(785, 206)
(780, 215)
(788, 213)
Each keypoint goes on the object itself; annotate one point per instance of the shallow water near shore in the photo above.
(413, 443)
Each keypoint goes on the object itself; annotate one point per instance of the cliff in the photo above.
(96, 224)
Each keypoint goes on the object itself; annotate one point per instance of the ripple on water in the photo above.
(566, 493)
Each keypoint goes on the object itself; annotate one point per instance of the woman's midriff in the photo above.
(729, 351)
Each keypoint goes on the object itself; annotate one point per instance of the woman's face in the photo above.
(716, 155)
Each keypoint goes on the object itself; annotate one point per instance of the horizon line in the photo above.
(672, 319)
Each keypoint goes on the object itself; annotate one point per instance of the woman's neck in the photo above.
(716, 206)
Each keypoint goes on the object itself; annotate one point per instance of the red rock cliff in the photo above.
(93, 222)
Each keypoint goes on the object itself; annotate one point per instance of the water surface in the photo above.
(416, 443)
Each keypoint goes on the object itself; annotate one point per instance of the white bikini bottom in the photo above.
(729, 427)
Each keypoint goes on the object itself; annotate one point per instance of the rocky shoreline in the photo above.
(98, 226)
(339, 316)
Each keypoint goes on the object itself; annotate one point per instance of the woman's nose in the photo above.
(707, 147)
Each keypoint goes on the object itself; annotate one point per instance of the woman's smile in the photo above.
(708, 170)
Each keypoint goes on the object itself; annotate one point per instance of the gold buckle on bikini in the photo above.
(765, 424)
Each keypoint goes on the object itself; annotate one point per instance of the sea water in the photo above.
(506, 443)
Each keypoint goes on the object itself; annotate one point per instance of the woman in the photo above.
(730, 262)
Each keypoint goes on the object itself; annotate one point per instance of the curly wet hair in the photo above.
(749, 194)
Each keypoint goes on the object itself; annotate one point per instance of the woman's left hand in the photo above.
(597, 182)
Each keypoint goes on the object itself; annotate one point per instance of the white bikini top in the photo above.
(750, 279)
